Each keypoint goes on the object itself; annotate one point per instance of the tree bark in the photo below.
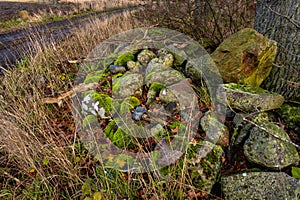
(280, 21)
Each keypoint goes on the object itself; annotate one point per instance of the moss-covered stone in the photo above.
(216, 132)
(260, 185)
(201, 170)
(166, 78)
(134, 66)
(110, 129)
(104, 100)
(110, 59)
(145, 56)
(119, 136)
(123, 59)
(156, 65)
(179, 55)
(251, 98)
(263, 148)
(124, 140)
(245, 57)
(156, 86)
(128, 104)
(127, 85)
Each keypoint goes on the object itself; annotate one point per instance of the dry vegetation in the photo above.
(40, 154)
(26, 13)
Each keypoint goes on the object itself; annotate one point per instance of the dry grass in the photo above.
(38, 144)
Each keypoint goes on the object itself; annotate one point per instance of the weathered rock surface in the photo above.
(261, 185)
(166, 78)
(245, 57)
(216, 132)
(250, 98)
(202, 169)
(263, 148)
(145, 56)
(127, 85)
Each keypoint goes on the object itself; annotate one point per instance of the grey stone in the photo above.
(145, 56)
(251, 99)
(216, 132)
(127, 85)
(261, 185)
(202, 166)
(166, 78)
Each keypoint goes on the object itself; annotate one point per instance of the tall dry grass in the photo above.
(40, 155)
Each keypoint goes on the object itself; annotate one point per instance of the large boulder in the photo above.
(245, 57)
(260, 185)
(250, 98)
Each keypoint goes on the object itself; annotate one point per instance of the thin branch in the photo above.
(69, 94)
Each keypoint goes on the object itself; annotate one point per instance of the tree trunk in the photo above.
(280, 21)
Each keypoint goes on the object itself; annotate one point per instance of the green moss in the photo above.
(89, 119)
(124, 58)
(290, 116)
(124, 140)
(117, 75)
(148, 77)
(109, 129)
(156, 86)
(94, 77)
(116, 86)
(128, 104)
(104, 100)
(246, 88)
(264, 60)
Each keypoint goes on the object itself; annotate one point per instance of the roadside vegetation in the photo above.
(41, 156)
(23, 14)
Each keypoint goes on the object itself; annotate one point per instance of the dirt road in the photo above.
(15, 45)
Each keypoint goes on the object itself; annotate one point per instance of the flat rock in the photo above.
(245, 57)
(261, 185)
(250, 98)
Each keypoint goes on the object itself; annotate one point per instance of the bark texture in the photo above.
(280, 21)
